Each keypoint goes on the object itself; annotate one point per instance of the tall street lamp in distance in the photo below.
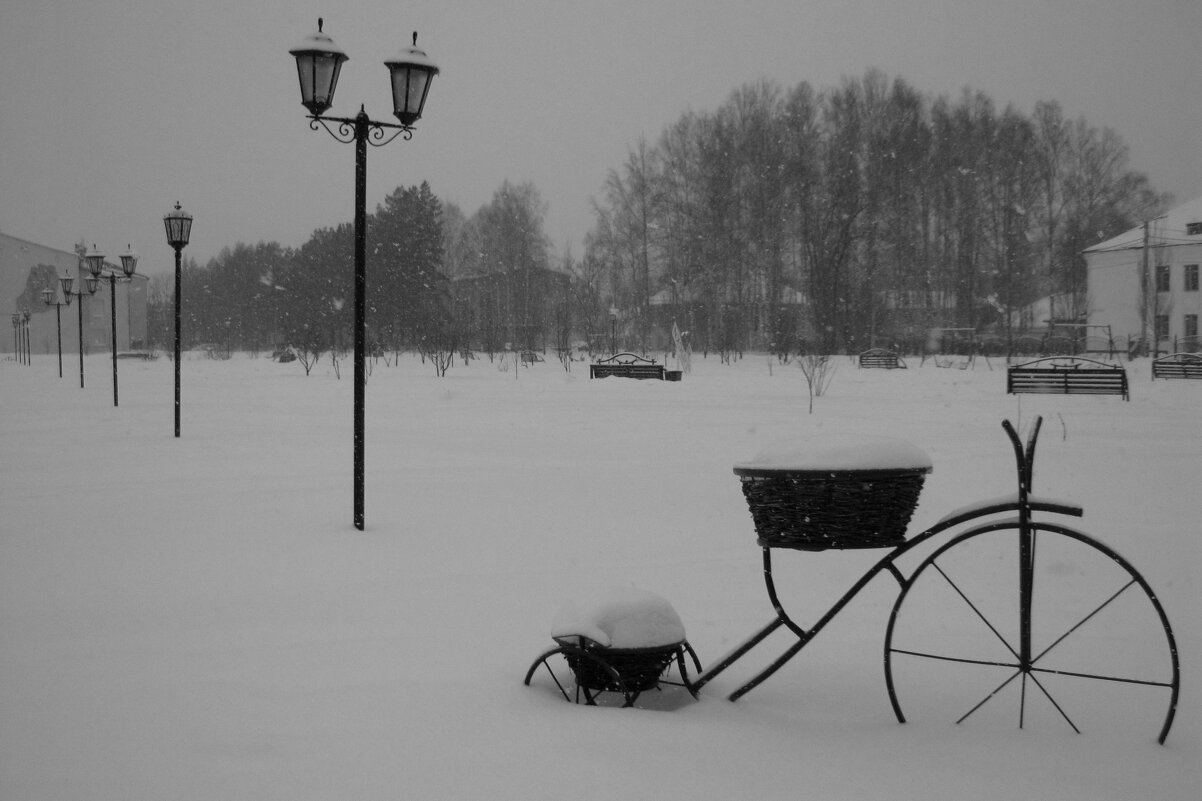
(318, 63)
(89, 283)
(178, 224)
(50, 297)
(18, 338)
(129, 265)
(25, 315)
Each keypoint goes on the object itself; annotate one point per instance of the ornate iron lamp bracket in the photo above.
(376, 134)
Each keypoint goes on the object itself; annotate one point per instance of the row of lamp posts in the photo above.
(21, 336)
(178, 224)
(318, 63)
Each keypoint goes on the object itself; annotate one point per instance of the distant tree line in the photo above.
(854, 214)
(785, 219)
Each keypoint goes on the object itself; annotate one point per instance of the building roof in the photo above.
(1168, 229)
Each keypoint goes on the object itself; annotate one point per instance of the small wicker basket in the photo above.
(638, 668)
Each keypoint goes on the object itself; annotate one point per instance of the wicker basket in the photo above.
(639, 668)
(815, 510)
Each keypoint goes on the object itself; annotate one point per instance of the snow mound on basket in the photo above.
(842, 452)
(620, 617)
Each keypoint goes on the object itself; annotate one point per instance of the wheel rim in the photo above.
(1099, 648)
(556, 666)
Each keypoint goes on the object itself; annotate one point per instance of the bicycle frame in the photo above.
(1022, 503)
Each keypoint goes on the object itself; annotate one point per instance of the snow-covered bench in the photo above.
(1178, 365)
(1067, 375)
(626, 365)
(880, 357)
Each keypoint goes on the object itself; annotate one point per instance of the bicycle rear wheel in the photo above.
(1061, 631)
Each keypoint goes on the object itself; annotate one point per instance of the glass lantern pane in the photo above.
(409, 87)
(325, 79)
(304, 71)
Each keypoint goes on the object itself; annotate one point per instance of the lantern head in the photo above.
(412, 71)
(318, 62)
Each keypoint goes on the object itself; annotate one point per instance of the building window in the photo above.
(1191, 278)
(1162, 326)
(1162, 278)
(1193, 229)
(1191, 326)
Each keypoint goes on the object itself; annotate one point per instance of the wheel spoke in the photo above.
(1102, 677)
(985, 700)
(1083, 621)
(1051, 700)
(975, 609)
(963, 660)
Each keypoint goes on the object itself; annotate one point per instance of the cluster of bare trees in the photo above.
(785, 219)
(860, 213)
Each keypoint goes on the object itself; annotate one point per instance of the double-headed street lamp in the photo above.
(318, 62)
(89, 283)
(50, 297)
(178, 224)
(129, 265)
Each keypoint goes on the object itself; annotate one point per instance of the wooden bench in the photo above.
(529, 357)
(626, 365)
(880, 357)
(1066, 375)
(1177, 365)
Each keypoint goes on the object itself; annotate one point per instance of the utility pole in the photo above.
(1146, 299)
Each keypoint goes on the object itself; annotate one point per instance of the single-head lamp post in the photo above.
(318, 64)
(25, 316)
(178, 224)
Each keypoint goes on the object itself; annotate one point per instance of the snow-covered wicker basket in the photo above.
(638, 669)
(635, 632)
(845, 493)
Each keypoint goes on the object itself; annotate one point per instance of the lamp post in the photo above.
(129, 265)
(18, 348)
(25, 315)
(50, 297)
(89, 283)
(178, 224)
(318, 63)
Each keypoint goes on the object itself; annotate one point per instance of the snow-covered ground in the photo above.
(198, 619)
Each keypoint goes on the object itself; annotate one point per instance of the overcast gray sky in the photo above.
(111, 110)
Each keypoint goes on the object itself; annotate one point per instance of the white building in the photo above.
(1144, 283)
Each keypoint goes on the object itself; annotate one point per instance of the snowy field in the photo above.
(197, 619)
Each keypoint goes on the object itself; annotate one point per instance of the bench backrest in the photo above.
(626, 358)
(1178, 365)
(1061, 376)
(879, 357)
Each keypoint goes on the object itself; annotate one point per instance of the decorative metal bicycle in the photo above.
(1008, 606)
